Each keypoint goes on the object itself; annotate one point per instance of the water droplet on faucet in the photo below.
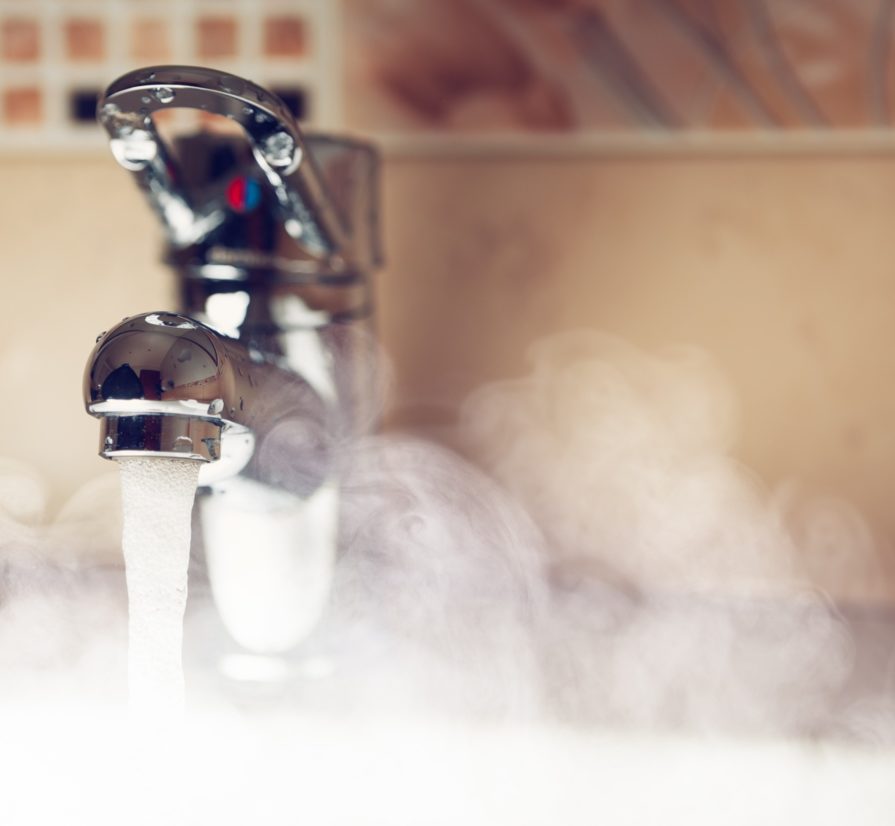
(164, 95)
(134, 150)
(278, 148)
(232, 84)
(169, 320)
(122, 122)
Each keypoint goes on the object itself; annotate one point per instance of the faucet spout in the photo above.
(167, 386)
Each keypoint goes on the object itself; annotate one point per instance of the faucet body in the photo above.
(270, 364)
(272, 235)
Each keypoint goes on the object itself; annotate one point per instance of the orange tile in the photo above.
(285, 36)
(150, 39)
(22, 106)
(84, 39)
(216, 37)
(20, 39)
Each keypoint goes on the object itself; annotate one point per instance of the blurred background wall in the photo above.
(719, 175)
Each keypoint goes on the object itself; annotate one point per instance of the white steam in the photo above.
(441, 581)
(624, 460)
(62, 611)
(539, 641)
(682, 592)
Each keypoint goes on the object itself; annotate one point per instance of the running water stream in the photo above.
(157, 496)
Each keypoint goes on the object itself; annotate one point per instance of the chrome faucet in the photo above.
(269, 367)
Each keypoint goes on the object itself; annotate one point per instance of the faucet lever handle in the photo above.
(309, 213)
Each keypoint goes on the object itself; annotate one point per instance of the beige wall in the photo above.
(780, 267)
(79, 252)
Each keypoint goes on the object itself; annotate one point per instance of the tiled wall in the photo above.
(412, 67)
(57, 55)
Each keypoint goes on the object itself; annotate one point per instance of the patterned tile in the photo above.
(84, 39)
(20, 39)
(217, 37)
(22, 106)
(150, 40)
(285, 36)
(56, 57)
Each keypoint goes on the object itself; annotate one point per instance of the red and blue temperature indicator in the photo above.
(243, 194)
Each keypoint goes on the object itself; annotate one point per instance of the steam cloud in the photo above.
(681, 590)
(613, 565)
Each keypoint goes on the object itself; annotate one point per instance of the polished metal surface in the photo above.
(167, 436)
(273, 235)
(271, 367)
(126, 110)
(165, 385)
